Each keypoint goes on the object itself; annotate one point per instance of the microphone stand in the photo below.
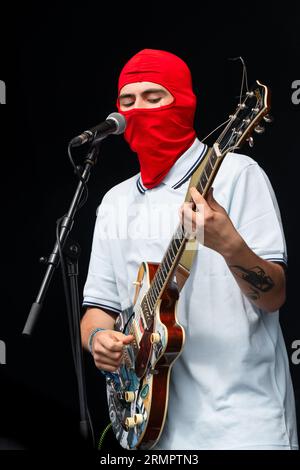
(71, 251)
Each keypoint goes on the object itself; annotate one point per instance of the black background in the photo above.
(61, 66)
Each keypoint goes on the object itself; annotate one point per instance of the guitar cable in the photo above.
(103, 435)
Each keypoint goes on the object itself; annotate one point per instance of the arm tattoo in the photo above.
(256, 277)
(253, 295)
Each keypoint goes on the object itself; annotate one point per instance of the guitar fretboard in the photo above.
(176, 246)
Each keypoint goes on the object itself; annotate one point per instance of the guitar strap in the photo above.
(188, 255)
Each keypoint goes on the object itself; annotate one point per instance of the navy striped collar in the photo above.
(182, 169)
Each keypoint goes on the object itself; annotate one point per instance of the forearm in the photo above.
(261, 281)
(95, 318)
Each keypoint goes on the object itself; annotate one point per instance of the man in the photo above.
(230, 387)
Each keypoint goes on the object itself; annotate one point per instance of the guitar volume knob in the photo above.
(155, 338)
(138, 419)
(129, 422)
(129, 397)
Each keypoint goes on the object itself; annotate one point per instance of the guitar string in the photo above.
(244, 80)
(150, 299)
(226, 148)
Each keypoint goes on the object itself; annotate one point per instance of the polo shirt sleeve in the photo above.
(255, 213)
(100, 289)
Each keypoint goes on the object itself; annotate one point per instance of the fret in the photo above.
(161, 277)
(154, 296)
(159, 282)
(162, 274)
(208, 169)
(213, 159)
(169, 258)
(207, 177)
(172, 251)
(163, 264)
(148, 304)
(155, 287)
(169, 255)
(200, 188)
(174, 248)
(155, 290)
(151, 299)
(210, 163)
(164, 267)
(203, 180)
(177, 244)
(158, 272)
(177, 248)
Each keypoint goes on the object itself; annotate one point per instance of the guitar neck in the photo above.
(169, 263)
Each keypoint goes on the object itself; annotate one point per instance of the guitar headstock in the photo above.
(246, 119)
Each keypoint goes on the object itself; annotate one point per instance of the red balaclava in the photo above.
(160, 135)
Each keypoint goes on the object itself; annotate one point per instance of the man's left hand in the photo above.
(209, 223)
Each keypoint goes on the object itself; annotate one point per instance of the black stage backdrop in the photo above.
(60, 68)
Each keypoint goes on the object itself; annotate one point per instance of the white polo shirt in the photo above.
(231, 387)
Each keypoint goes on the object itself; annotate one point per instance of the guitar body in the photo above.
(138, 392)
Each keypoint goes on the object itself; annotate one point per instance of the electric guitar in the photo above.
(138, 391)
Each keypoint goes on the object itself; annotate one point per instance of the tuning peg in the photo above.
(250, 141)
(259, 129)
(268, 118)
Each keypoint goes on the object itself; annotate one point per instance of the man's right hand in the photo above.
(107, 349)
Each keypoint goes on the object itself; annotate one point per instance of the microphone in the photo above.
(115, 123)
